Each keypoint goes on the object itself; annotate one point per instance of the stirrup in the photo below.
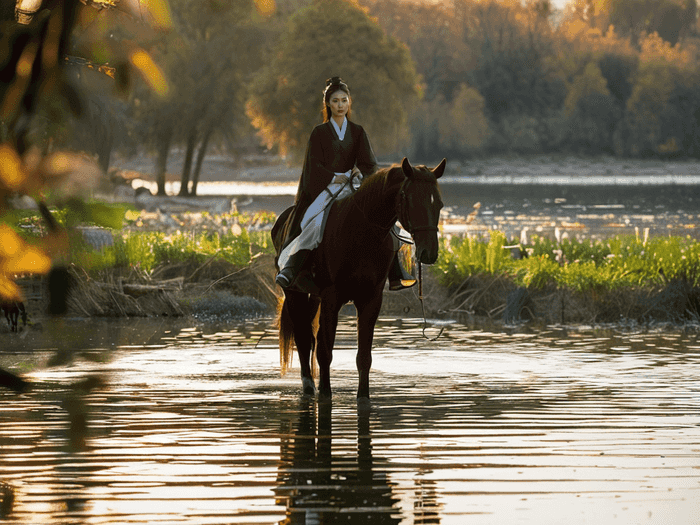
(401, 284)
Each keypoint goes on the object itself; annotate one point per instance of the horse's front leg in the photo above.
(367, 314)
(330, 306)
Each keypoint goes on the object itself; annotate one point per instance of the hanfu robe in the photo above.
(331, 151)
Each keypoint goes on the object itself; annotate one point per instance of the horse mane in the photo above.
(376, 184)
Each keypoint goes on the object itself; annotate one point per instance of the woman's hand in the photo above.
(340, 179)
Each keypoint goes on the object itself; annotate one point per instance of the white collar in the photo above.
(340, 130)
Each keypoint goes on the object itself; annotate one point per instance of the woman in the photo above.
(338, 155)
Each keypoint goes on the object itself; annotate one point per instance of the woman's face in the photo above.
(339, 104)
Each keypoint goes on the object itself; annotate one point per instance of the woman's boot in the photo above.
(295, 275)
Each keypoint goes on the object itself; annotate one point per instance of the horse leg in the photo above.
(302, 313)
(325, 340)
(367, 314)
(308, 342)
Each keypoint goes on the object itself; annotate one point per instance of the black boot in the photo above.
(398, 277)
(296, 275)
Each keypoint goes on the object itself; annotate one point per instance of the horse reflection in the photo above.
(318, 487)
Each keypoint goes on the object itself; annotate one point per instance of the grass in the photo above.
(147, 250)
(233, 238)
(612, 264)
(621, 262)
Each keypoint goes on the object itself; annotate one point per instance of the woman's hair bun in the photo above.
(334, 80)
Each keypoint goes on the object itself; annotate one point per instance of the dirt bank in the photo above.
(224, 293)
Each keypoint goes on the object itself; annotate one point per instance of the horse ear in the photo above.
(407, 168)
(440, 169)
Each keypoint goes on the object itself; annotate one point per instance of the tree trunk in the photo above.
(162, 161)
(200, 158)
(104, 149)
(187, 165)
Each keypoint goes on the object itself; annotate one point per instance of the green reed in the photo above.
(580, 265)
(148, 250)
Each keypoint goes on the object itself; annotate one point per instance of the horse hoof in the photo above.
(309, 388)
(324, 395)
(363, 403)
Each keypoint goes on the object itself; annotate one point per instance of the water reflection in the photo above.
(486, 425)
(318, 486)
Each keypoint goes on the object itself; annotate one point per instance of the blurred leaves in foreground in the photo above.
(51, 57)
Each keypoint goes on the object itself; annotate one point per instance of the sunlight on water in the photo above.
(481, 426)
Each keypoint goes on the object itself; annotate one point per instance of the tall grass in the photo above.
(622, 261)
(147, 250)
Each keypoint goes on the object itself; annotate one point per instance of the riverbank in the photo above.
(563, 213)
(223, 293)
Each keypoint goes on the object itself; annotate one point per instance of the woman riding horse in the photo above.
(352, 264)
(338, 155)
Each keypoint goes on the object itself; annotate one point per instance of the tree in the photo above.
(464, 129)
(512, 45)
(333, 38)
(224, 50)
(671, 19)
(32, 68)
(208, 60)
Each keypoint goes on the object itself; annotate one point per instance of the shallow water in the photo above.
(195, 425)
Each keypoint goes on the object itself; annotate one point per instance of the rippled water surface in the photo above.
(144, 422)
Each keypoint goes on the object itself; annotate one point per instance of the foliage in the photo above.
(671, 19)
(619, 262)
(147, 250)
(511, 45)
(333, 38)
(457, 128)
(35, 86)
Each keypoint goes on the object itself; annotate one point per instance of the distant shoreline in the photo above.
(495, 170)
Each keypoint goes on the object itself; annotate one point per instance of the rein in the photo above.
(406, 222)
(422, 304)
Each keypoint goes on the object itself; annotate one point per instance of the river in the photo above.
(145, 422)
(568, 205)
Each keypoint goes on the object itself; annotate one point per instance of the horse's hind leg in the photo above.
(303, 309)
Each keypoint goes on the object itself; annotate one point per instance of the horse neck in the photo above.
(379, 207)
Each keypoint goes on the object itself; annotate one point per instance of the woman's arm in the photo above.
(366, 161)
(315, 176)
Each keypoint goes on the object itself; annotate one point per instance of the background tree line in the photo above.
(460, 79)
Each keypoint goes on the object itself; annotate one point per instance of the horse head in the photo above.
(419, 206)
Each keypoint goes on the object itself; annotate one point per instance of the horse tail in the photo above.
(286, 335)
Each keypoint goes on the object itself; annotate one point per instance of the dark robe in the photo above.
(327, 155)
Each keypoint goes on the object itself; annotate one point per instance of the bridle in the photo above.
(403, 210)
(407, 223)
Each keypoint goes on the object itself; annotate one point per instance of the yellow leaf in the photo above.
(59, 163)
(31, 260)
(150, 71)
(160, 12)
(9, 291)
(10, 243)
(12, 175)
(265, 7)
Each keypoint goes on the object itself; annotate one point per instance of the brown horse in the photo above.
(352, 264)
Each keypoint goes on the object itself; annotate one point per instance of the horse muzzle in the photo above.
(426, 248)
